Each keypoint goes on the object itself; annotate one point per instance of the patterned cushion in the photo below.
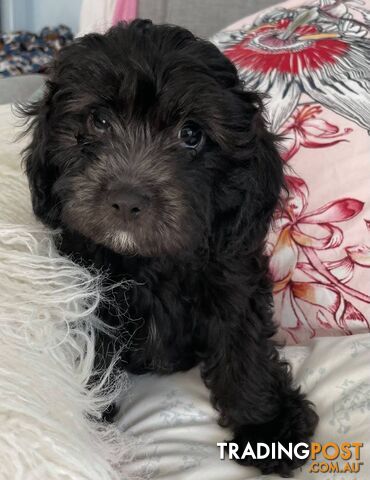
(313, 62)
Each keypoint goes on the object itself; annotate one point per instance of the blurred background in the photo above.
(32, 31)
(203, 17)
(33, 15)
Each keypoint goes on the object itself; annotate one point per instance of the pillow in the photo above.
(312, 60)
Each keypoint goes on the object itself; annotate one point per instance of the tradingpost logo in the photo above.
(332, 457)
(327, 457)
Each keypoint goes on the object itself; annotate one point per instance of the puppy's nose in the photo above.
(128, 202)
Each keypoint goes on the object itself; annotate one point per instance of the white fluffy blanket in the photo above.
(47, 307)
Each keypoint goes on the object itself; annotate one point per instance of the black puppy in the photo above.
(158, 168)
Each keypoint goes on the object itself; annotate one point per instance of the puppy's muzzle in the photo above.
(126, 202)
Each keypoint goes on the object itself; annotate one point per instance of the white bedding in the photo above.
(174, 417)
(177, 426)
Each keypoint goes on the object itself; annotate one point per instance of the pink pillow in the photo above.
(313, 61)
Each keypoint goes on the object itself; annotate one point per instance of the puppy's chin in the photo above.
(139, 240)
(121, 242)
(124, 243)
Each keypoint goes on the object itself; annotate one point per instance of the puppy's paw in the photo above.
(295, 424)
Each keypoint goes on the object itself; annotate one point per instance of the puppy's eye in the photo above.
(191, 135)
(100, 120)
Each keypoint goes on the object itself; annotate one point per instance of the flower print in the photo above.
(328, 309)
(289, 52)
(341, 11)
(299, 229)
(359, 254)
(315, 229)
(314, 282)
(321, 51)
(342, 269)
(306, 129)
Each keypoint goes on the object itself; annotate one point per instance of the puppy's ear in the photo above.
(40, 173)
(257, 181)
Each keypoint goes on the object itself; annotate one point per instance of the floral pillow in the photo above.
(312, 59)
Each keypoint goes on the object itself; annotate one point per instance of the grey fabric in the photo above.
(202, 17)
(19, 89)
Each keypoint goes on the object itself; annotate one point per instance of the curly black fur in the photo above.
(201, 292)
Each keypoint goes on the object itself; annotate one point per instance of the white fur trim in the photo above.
(47, 307)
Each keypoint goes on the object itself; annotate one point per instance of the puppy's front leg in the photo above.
(252, 389)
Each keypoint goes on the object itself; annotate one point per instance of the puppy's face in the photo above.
(145, 143)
